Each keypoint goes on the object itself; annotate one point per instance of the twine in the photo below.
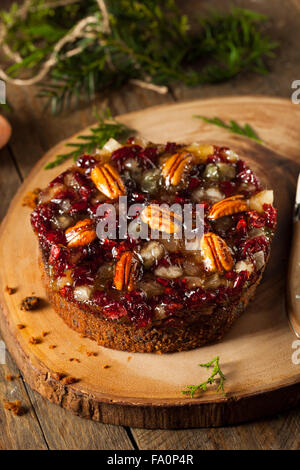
(77, 31)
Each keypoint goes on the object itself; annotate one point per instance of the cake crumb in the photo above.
(10, 378)
(21, 326)
(29, 303)
(31, 198)
(74, 359)
(91, 353)
(10, 290)
(106, 366)
(69, 380)
(15, 406)
(52, 346)
(45, 333)
(129, 358)
(58, 375)
(35, 340)
(83, 336)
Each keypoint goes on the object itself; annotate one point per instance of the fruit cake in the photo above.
(153, 293)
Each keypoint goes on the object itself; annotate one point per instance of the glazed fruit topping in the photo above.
(156, 278)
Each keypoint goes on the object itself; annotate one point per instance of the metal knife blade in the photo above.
(293, 280)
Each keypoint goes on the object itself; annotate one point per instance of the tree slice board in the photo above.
(144, 390)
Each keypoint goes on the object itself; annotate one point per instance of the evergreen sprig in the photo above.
(149, 40)
(107, 127)
(193, 389)
(233, 126)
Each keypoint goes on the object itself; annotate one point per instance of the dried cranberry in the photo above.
(229, 275)
(87, 162)
(41, 217)
(169, 290)
(85, 188)
(246, 176)
(180, 200)
(270, 216)
(114, 310)
(227, 187)
(137, 197)
(67, 292)
(55, 253)
(163, 282)
(194, 183)
(124, 153)
(83, 275)
(215, 158)
(241, 227)
(199, 297)
(255, 219)
(171, 147)
(108, 244)
(138, 309)
(64, 195)
(78, 206)
(254, 245)
(59, 179)
(149, 153)
(100, 298)
(54, 237)
(240, 280)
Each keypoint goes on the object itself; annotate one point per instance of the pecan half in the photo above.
(174, 167)
(81, 233)
(108, 181)
(230, 205)
(216, 253)
(161, 219)
(125, 271)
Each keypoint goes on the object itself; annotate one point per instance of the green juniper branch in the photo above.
(233, 126)
(107, 127)
(193, 389)
(223, 45)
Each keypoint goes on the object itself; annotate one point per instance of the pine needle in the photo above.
(107, 127)
(233, 126)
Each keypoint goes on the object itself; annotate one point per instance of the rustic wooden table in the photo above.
(47, 426)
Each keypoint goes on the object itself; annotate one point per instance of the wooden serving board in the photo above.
(144, 390)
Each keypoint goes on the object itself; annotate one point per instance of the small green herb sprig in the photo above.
(233, 126)
(107, 127)
(192, 389)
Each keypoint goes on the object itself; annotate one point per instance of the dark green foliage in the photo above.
(149, 40)
(107, 127)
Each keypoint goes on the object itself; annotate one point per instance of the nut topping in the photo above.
(174, 167)
(230, 205)
(125, 272)
(216, 254)
(81, 233)
(161, 219)
(108, 181)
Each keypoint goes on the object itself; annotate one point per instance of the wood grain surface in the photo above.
(152, 383)
(34, 132)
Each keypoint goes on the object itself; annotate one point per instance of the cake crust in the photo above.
(131, 338)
